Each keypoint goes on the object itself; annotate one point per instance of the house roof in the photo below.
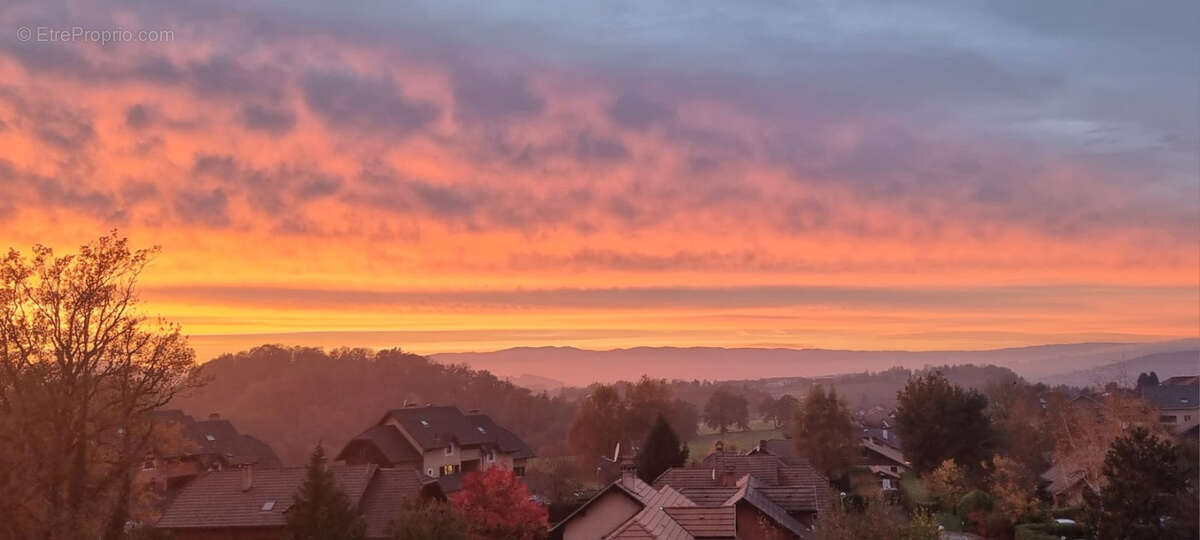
(641, 492)
(1062, 477)
(884, 450)
(436, 427)
(388, 440)
(218, 437)
(507, 441)
(749, 493)
(654, 520)
(387, 491)
(700, 522)
(792, 483)
(216, 499)
(1169, 397)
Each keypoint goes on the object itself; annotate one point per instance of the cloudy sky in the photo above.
(476, 175)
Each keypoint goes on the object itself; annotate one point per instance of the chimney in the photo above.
(762, 445)
(214, 416)
(728, 477)
(247, 477)
(885, 434)
(628, 472)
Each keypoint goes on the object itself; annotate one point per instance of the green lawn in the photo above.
(744, 440)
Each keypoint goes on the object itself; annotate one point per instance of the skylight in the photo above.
(425, 423)
(209, 437)
(481, 430)
(267, 506)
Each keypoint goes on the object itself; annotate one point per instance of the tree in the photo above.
(599, 423)
(320, 510)
(778, 411)
(725, 409)
(80, 371)
(661, 451)
(1088, 426)
(1014, 489)
(824, 432)
(1023, 430)
(873, 519)
(1147, 379)
(495, 504)
(420, 519)
(947, 483)
(939, 421)
(1146, 486)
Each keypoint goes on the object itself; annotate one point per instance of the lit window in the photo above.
(449, 469)
(268, 506)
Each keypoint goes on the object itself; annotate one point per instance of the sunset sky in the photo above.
(457, 176)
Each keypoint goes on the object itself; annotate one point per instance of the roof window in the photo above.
(268, 506)
(209, 437)
(425, 423)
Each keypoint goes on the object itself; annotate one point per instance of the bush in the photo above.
(1050, 531)
(973, 501)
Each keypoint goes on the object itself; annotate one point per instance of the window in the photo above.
(449, 469)
(209, 437)
(1187, 418)
(519, 471)
(1167, 419)
(425, 423)
(481, 430)
(268, 506)
(450, 449)
(148, 463)
(887, 483)
(491, 455)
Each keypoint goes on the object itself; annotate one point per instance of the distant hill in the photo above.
(580, 367)
(536, 383)
(1166, 364)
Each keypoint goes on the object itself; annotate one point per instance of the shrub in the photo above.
(1050, 531)
(974, 501)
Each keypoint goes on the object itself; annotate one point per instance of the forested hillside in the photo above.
(294, 397)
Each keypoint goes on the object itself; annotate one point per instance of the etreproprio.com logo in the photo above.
(52, 34)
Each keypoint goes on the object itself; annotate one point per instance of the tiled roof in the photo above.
(751, 494)
(791, 483)
(435, 427)
(632, 531)
(655, 521)
(640, 492)
(1169, 397)
(386, 492)
(216, 499)
(709, 496)
(388, 440)
(218, 437)
(700, 522)
(884, 450)
(506, 440)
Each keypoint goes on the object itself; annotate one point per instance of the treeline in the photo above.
(293, 397)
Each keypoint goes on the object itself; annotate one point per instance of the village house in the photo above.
(1178, 402)
(726, 496)
(879, 452)
(203, 445)
(438, 441)
(252, 503)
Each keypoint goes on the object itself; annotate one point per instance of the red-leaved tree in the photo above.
(496, 504)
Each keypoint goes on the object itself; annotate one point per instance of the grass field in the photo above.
(743, 440)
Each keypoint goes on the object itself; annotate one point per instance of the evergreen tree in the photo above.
(939, 421)
(320, 511)
(824, 433)
(661, 451)
(1146, 489)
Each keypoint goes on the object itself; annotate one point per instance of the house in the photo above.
(438, 441)
(252, 503)
(1065, 483)
(1178, 400)
(206, 445)
(628, 508)
(879, 452)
